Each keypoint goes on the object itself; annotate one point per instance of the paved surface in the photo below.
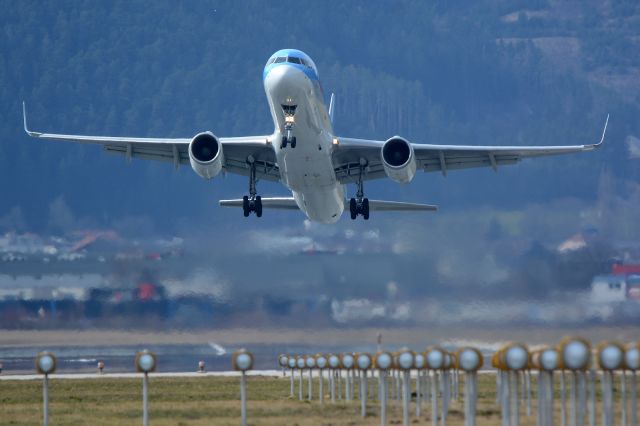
(264, 373)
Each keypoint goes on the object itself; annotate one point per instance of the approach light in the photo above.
(469, 359)
(242, 360)
(46, 363)
(575, 353)
(145, 361)
(610, 355)
(364, 361)
(383, 360)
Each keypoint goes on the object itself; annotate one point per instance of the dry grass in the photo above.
(206, 401)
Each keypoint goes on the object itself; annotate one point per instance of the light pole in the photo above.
(611, 358)
(576, 357)
(406, 363)
(470, 360)
(145, 363)
(383, 362)
(364, 364)
(45, 364)
(334, 365)
(321, 363)
(632, 363)
(242, 361)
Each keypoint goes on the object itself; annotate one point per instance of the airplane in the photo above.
(305, 155)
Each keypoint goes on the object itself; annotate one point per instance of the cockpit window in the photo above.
(272, 60)
(294, 60)
(280, 59)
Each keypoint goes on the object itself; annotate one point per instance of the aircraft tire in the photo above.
(245, 206)
(353, 208)
(365, 209)
(258, 206)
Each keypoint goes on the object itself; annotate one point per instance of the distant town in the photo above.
(102, 279)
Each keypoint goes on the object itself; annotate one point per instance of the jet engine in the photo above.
(205, 155)
(399, 160)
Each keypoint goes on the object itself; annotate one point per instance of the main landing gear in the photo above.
(289, 121)
(359, 205)
(252, 202)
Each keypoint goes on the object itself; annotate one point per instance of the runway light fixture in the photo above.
(546, 361)
(383, 361)
(283, 362)
(364, 363)
(420, 363)
(610, 357)
(576, 358)
(347, 362)
(46, 363)
(632, 363)
(321, 363)
(470, 360)
(435, 362)
(291, 363)
(300, 363)
(406, 363)
(145, 362)
(511, 361)
(310, 363)
(334, 366)
(242, 360)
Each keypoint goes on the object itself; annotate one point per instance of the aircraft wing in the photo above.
(289, 203)
(347, 155)
(175, 150)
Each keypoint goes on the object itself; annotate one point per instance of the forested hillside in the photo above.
(454, 71)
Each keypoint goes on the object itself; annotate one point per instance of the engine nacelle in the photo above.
(398, 159)
(205, 155)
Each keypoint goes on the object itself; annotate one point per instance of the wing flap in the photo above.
(275, 203)
(399, 206)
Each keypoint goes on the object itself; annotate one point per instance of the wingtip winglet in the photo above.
(604, 132)
(24, 121)
(332, 106)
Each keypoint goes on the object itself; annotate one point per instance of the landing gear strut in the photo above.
(289, 121)
(253, 202)
(359, 205)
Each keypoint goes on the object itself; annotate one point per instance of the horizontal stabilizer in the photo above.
(277, 203)
(399, 206)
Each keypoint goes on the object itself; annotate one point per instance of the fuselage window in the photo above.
(294, 60)
(280, 59)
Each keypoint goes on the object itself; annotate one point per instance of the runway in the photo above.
(84, 376)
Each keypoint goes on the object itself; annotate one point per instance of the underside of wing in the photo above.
(237, 150)
(276, 203)
(350, 154)
(399, 206)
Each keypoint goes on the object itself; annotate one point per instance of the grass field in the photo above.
(210, 401)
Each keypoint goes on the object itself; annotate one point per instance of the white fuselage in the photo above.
(307, 170)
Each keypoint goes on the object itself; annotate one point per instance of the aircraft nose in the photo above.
(282, 77)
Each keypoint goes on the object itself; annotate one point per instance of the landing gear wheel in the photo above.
(258, 206)
(365, 209)
(293, 142)
(283, 144)
(245, 206)
(353, 207)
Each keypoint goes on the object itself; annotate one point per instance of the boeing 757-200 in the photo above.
(306, 156)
